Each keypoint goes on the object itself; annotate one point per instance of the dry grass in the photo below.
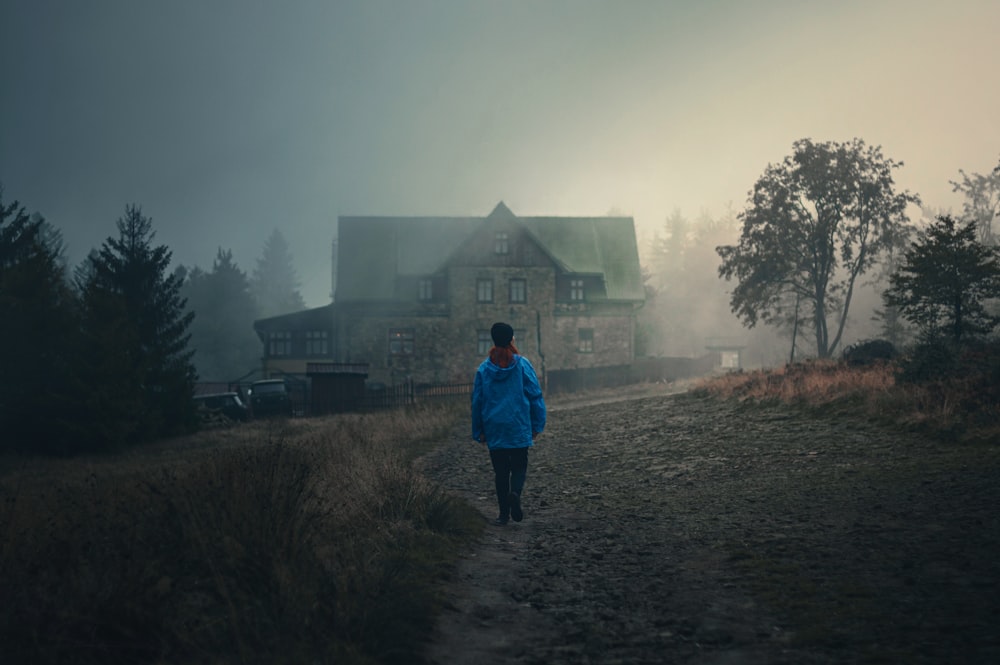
(944, 407)
(816, 383)
(278, 542)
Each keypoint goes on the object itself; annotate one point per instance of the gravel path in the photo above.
(676, 529)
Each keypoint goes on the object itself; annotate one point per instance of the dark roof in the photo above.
(374, 251)
(319, 318)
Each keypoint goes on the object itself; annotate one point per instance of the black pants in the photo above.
(510, 466)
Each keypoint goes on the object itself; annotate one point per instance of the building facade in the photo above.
(416, 297)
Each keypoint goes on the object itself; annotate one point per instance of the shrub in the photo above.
(869, 351)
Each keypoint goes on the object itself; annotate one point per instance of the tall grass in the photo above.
(275, 542)
(952, 407)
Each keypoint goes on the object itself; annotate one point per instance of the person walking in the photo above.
(508, 414)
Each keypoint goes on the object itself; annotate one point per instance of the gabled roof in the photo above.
(374, 251)
(596, 246)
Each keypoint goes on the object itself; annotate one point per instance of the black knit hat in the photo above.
(502, 334)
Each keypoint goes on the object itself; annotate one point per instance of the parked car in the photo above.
(228, 404)
(270, 398)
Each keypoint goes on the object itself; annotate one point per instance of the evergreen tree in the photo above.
(37, 334)
(137, 331)
(222, 334)
(945, 279)
(686, 305)
(275, 284)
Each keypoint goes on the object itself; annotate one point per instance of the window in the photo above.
(317, 342)
(484, 290)
(425, 289)
(400, 341)
(484, 342)
(518, 290)
(576, 289)
(500, 244)
(279, 344)
(585, 342)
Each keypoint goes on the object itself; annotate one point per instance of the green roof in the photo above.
(374, 251)
(593, 245)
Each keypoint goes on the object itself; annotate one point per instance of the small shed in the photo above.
(336, 387)
(730, 350)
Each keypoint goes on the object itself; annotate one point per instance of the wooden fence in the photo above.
(408, 393)
(443, 390)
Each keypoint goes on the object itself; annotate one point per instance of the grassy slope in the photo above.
(296, 541)
(952, 409)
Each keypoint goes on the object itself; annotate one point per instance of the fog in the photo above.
(227, 120)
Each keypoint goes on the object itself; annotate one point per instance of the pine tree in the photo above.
(222, 335)
(945, 279)
(137, 330)
(37, 334)
(275, 284)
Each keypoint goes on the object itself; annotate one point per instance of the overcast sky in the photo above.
(227, 119)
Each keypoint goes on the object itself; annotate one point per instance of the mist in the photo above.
(229, 120)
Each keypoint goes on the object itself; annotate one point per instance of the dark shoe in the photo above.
(516, 513)
(500, 521)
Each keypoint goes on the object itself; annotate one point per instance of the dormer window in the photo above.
(500, 244)
(425, 289)
(576, 290)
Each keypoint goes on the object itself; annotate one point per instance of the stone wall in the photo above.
(613, 337)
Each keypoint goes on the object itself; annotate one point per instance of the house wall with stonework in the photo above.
(611, 343)
(367, 339)
(410, 318)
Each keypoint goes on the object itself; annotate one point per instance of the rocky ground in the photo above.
(675, 529)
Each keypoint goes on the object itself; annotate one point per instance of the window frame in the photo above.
(317, 343)
(484, 342)
(400, 341)
(425, 289)
(501, 243)
(523, 291)
(484, 284)
(279, 344)
(585, 340)
(577, 290)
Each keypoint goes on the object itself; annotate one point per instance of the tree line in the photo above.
(107, 355)
(817, 228)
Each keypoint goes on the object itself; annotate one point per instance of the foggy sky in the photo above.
(227, 119)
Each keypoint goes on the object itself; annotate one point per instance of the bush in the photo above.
(869, 352)
(930, 360)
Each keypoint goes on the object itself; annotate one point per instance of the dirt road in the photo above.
(674, 529)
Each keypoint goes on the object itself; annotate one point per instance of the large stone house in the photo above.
(416, 296)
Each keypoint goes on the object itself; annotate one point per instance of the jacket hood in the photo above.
(498, 373)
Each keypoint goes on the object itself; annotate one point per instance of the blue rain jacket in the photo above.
(507, 404)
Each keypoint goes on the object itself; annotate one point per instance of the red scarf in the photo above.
(502, 356)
